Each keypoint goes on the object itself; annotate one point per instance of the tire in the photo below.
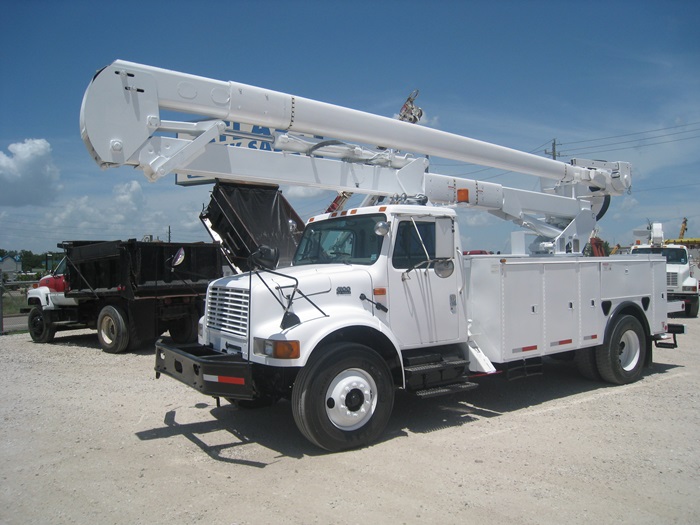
(343, 397)
(621, 358)
(40, 329)
(692, 310)
(112, 330)
(586, 363)
(184, 330)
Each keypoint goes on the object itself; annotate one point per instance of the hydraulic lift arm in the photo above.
(121, 124)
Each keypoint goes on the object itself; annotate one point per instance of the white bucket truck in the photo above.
(379, 297)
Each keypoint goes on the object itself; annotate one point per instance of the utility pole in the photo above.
(168, 233)
(553, 153)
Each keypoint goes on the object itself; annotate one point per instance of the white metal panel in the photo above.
(592, 320)
(523, 311)
(561, 306)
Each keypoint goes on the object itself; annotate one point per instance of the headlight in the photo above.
(277, 349)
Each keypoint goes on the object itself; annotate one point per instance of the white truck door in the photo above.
(422, 306)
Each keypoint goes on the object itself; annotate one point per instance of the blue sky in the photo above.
(609, 80)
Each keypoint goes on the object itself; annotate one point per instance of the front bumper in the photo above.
(209, 372)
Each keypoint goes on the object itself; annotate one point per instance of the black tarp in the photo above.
(247, 216)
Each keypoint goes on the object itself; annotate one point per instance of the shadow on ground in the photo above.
(274, 428)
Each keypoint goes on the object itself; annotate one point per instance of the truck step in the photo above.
(434, 366)
(524, 368)
(421, 359)
(445, 390)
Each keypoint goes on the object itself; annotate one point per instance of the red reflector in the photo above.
(232, 380)
(529, 348)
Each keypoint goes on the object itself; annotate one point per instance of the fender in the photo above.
(312, 333)
(630, 308)
(48, 299)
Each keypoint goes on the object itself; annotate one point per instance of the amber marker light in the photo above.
(463, 195)
(285, 349)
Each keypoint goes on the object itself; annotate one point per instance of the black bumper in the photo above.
(209, 372)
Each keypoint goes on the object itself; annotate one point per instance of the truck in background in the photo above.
(131, 292)
(681, 268)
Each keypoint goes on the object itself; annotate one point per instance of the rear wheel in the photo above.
(112, 330)
(343, 397)
(621, 358)
(40, 329)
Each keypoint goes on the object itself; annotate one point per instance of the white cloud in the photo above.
(628, 203)
(129, 197)
(303, 192)
(28, 175)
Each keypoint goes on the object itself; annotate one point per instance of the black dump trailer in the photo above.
(131, 292)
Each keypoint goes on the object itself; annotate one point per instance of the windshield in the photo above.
(673, 255)
(61, 268)
(349, 240)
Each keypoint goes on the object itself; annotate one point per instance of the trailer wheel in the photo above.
(692, 309)
(621, 358)
(343, 397)
(112, 330)
(39, 328)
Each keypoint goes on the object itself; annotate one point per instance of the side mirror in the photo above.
(265, 257)
(381, 228)
(178, 258)
(444, 268)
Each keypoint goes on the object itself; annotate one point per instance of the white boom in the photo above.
(121, 124)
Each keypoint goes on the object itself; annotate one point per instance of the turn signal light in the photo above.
(463, 195)
(280, 349)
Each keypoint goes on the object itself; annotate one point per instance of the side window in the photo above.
(408, 250)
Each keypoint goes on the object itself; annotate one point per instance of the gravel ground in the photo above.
(88, 437)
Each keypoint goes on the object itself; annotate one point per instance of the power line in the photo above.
(637, 140)
(631, 134)
(629, 147)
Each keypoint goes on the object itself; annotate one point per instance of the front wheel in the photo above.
(112, 330)
(621, 358)
(184, 330)
(40, 329)
(343, 397)
(692, 308)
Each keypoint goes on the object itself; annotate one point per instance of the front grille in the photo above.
(227, 310)
(671, 279)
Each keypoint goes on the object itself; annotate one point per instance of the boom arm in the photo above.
(121, 124)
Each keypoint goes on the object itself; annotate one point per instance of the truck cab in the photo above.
(50, 292)
(681, 282)
(386, 271)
